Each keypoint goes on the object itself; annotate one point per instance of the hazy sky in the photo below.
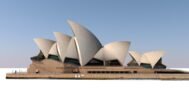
(148, 24)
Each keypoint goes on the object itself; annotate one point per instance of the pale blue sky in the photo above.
(148, 24)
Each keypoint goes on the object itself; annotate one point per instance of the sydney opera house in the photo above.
(83, 56)
(84, 49)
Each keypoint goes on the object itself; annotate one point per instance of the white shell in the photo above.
(44, 45)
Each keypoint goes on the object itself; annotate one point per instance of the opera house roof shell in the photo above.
(84, 47)
(148, 58)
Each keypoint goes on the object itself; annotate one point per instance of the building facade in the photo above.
(84, 49)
